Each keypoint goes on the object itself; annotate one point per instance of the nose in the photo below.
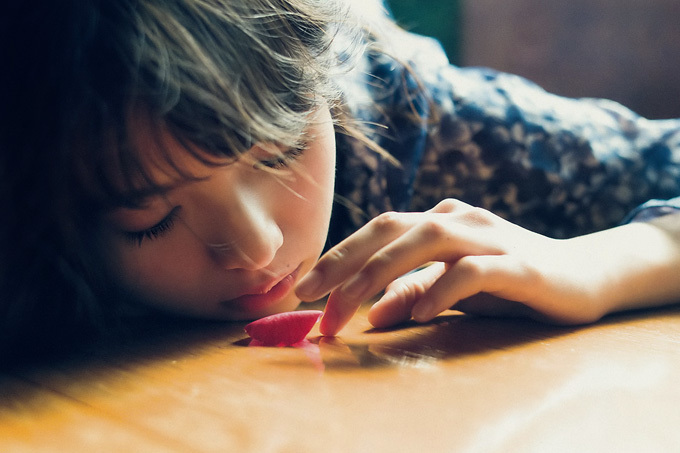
(247, 232)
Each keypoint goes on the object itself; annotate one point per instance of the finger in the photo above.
(450, 205)
(485, 304)
(340, 262)
(401, 295)
(427, 241)
(387, 264)
(336, 315)
(501, 276)
(430, 240)
(343, 260)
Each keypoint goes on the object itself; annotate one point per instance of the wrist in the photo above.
(635, 266)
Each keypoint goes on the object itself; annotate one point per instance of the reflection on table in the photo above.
(459, 383)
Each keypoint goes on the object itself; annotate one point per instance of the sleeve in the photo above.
(653, 209)
(558, 166)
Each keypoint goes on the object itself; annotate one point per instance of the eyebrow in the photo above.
(135, 198)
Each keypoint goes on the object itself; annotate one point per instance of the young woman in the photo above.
(183, 155)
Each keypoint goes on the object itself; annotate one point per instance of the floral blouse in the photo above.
(558, 166)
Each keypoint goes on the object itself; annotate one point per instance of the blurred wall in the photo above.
(438, 18)
(626, 50)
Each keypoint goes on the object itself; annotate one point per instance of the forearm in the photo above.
(635, 265)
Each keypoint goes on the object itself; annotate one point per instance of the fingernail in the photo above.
(327, 326)
(309, 284)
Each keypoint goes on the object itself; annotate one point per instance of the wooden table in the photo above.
(457, 384)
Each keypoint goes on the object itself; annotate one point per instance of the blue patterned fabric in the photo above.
(561, 167)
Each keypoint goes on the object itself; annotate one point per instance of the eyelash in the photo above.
(156, 231)
(164, 226)
(284, 159)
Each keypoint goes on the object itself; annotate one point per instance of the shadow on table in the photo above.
(450, 337)
(143, 342)
(414, 345)
(150, 342)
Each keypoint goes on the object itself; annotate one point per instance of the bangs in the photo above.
(217, 76)
(139, 161)
(236, 73)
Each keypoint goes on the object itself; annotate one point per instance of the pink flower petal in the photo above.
(283, 329)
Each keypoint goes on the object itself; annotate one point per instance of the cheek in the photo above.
(323, 163)
(157, 269)
(316, 189)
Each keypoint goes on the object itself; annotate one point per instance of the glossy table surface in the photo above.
(459, 383)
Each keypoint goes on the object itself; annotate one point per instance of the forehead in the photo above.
(152, 160)
(149, 156)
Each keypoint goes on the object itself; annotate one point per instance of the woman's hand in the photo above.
(480, 263)
(476, 262)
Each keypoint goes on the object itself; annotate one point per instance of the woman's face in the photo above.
(233, 244)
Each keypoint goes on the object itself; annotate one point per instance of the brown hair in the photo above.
(220, 75)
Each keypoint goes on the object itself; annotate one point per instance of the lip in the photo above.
(269, 296)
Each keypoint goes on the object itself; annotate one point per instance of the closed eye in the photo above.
(160, 229)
